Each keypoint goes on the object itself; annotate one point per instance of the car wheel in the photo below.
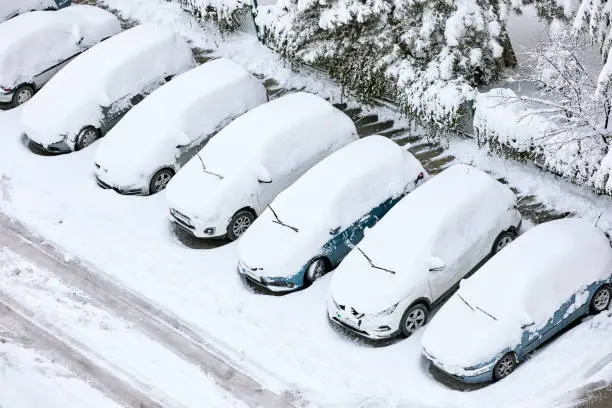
(315, 270)
(601, 299)
(22, 94)
(160, 180)
(414, 318)
(86, 137)
(502, 241)
(240, 222)
(506, 365)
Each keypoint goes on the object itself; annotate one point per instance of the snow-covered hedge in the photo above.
(510, 126)
(225, 12)
(427, 55)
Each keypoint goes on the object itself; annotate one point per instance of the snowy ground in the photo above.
(285, 342)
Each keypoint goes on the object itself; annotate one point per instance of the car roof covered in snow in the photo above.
(27, 39)
(115, 69)
(9, 8)
(192, 105)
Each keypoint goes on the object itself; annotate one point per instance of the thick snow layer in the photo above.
(500, 119)
(113, 70)
(524, 283)
(34, 42)
(337, 192)
(404, 240)
(289, 130)
(186, 111)
(9, 8)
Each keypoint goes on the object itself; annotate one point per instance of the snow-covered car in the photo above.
(224, 187)
(417, 254)
(95, 90)
(35, 46)
(551, 276)
(12, 8)
(311, 226)
(151, 143)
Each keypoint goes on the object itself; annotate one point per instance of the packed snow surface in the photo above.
(524, 283)
(406, 238)
(9, 8)
(113, 70)
(187, 110)
(336, 192)
(293, 129)
(34, 42)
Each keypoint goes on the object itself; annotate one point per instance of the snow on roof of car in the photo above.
(524, 283)
(23, 45)
(9, 8)
(193, 104)
(116, 68)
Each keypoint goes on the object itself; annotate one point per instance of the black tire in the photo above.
(413, 319)
(239, 223)
(22, 94)
(160, 180)
(502, 240)
(505, 366)
(601, 299)
(316, 269)
(86, 137)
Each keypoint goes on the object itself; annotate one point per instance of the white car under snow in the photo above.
(93, 92)
(311, 226)
(221, 190)
(554, 274)
(12, 8)
(36, 45)
(151, 143)
(418, 253)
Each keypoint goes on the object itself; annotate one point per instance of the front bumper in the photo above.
(365, 326)
(195, 227)
(277, 285)
(56, 148)
(478, 375)
(120, 189)
(6, 97)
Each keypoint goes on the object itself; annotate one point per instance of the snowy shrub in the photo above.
(427, 55)
(508, 124)
(603, 177)
(225, 12)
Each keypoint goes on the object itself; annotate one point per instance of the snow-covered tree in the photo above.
(428, 55)
(224, 12)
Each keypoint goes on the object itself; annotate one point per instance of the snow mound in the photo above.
(193, 105)
(113, 70)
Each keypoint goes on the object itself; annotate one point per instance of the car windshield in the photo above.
(279, 222)
(474, 306)
(207, 170)
(372, 265)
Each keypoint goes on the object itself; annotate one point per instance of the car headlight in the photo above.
(387, 311)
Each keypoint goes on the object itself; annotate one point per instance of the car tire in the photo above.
(239, 223)
(86, 137)
(413, 319)
(316, 269)
(502, 241)
(601, 299)
(160, 180)
(22, 94)
(505, 366)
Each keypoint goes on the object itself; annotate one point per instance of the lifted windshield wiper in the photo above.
(207, 171)
(278, 221)
(488, 314)
(465, 301)
(470, 306)
(372, 263)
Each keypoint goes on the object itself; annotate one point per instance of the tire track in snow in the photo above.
(26, 331)
(160, 326)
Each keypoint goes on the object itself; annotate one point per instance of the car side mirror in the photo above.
(182, 140)
(526, 325)
(263, 175)
(436, 264)
(136, 99)
(334, 231)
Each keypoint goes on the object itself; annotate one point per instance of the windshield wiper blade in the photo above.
(465, 301)
(208, 171)
(488, 314)
(278, 221)
(372, 263)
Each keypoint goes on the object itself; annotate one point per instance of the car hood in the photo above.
(477, 338)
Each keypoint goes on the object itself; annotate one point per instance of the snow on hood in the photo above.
(191, 106)
(547, 265)
(112, 70)
(9, 8)
(336, 192)
(283, 131)
(403, 240)
(36, 41)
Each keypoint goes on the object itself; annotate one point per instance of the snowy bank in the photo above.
(505, 124)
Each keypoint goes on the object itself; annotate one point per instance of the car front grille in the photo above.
(181, 219)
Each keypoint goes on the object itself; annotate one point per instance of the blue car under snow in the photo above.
(310, 227)
(548, 278)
